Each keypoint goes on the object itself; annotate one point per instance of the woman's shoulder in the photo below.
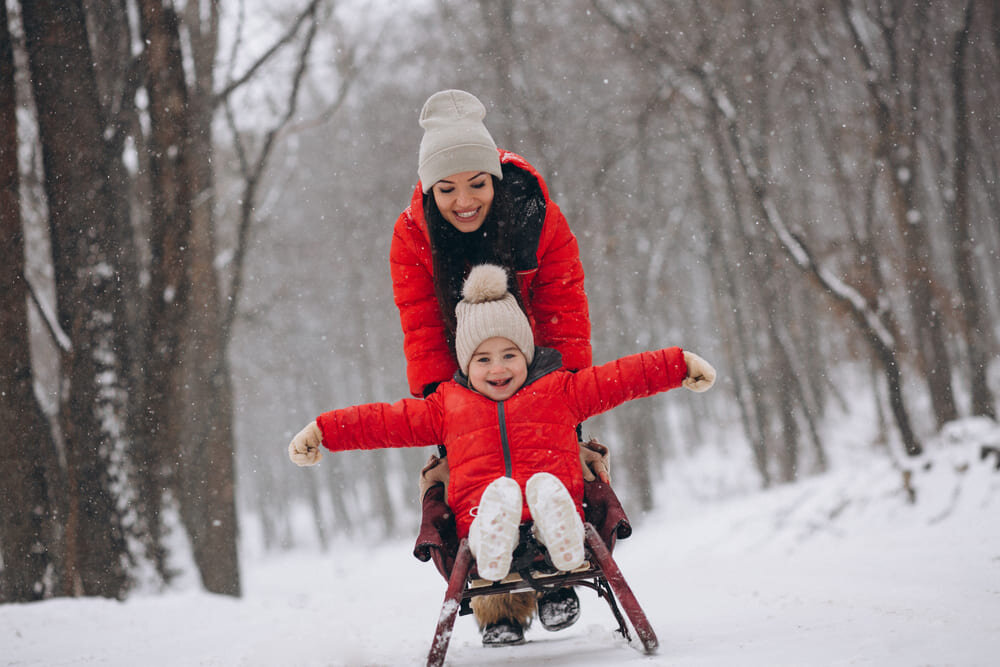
(411, 225)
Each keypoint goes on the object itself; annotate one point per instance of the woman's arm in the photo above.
(428, 359)
(557, 297)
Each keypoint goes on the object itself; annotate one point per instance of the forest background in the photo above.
(197, 200)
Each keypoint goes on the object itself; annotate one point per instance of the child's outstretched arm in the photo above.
(406, 423)
(600, 388)
(306, 448)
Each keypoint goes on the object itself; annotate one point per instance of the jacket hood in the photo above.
(547, 360)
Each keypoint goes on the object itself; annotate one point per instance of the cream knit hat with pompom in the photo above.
(486, 310)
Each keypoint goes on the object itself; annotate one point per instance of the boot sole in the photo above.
(557, 523)
(498, 518)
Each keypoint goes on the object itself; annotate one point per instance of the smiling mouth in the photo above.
(499, 384)
(467, 215)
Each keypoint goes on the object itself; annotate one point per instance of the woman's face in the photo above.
(464, 199)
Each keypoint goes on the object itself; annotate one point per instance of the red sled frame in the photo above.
(529, 569)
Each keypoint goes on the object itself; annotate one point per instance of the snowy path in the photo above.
(797, 576)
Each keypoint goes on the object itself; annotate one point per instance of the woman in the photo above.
(476, 204)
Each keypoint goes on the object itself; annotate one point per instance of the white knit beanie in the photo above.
(486, 310)
(455, 139)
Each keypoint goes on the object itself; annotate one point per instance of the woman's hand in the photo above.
(306, 448)
(701, 375)
(596, 461)
(435, 471)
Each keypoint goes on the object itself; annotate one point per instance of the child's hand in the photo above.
(701, 375)
(306, 448)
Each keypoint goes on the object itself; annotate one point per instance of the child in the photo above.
(508, 419)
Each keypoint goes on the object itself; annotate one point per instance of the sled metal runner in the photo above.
(601, 574)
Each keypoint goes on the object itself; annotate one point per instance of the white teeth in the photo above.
(470, 214)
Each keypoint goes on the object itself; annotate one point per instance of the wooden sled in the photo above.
(605, 523)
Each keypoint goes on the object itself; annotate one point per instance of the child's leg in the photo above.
(557, 523)
(494, 532)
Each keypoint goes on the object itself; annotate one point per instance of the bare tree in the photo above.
(963, 239)
(26, 525)
(168, 147)
(90, 237)
(894, 94)
(207, 472)
(743, 144)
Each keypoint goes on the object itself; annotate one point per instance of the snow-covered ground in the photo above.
(835, 570)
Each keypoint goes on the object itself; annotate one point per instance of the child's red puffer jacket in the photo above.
(532, 431)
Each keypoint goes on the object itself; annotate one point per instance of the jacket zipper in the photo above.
(501, 413)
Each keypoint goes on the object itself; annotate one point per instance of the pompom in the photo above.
(486, 282)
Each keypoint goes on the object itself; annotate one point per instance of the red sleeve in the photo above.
(557, 297)
(410, 422)
(428, 358)
(600, 388)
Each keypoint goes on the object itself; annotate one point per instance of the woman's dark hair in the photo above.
(508, 238)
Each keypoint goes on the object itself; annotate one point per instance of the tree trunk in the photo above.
(88, 239)
(869, 320)
(169, 147)
(26, 532)
(208, 493)
(896, 143)
(746, 383)
(963, 241)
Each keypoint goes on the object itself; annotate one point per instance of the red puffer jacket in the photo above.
(553, 293)
(532, 431)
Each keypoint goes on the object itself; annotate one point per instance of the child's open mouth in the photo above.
(499, 384)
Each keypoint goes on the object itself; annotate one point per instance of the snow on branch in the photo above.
(794, 246)
(833, 284)
(48, 314)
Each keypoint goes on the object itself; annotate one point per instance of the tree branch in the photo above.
(224, 94)
(59, 337)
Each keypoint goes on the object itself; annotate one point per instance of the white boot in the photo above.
(557, 523)
(494, 532)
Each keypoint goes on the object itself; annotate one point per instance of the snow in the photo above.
(838, 569)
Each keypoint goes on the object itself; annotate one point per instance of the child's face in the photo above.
(498, 368)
